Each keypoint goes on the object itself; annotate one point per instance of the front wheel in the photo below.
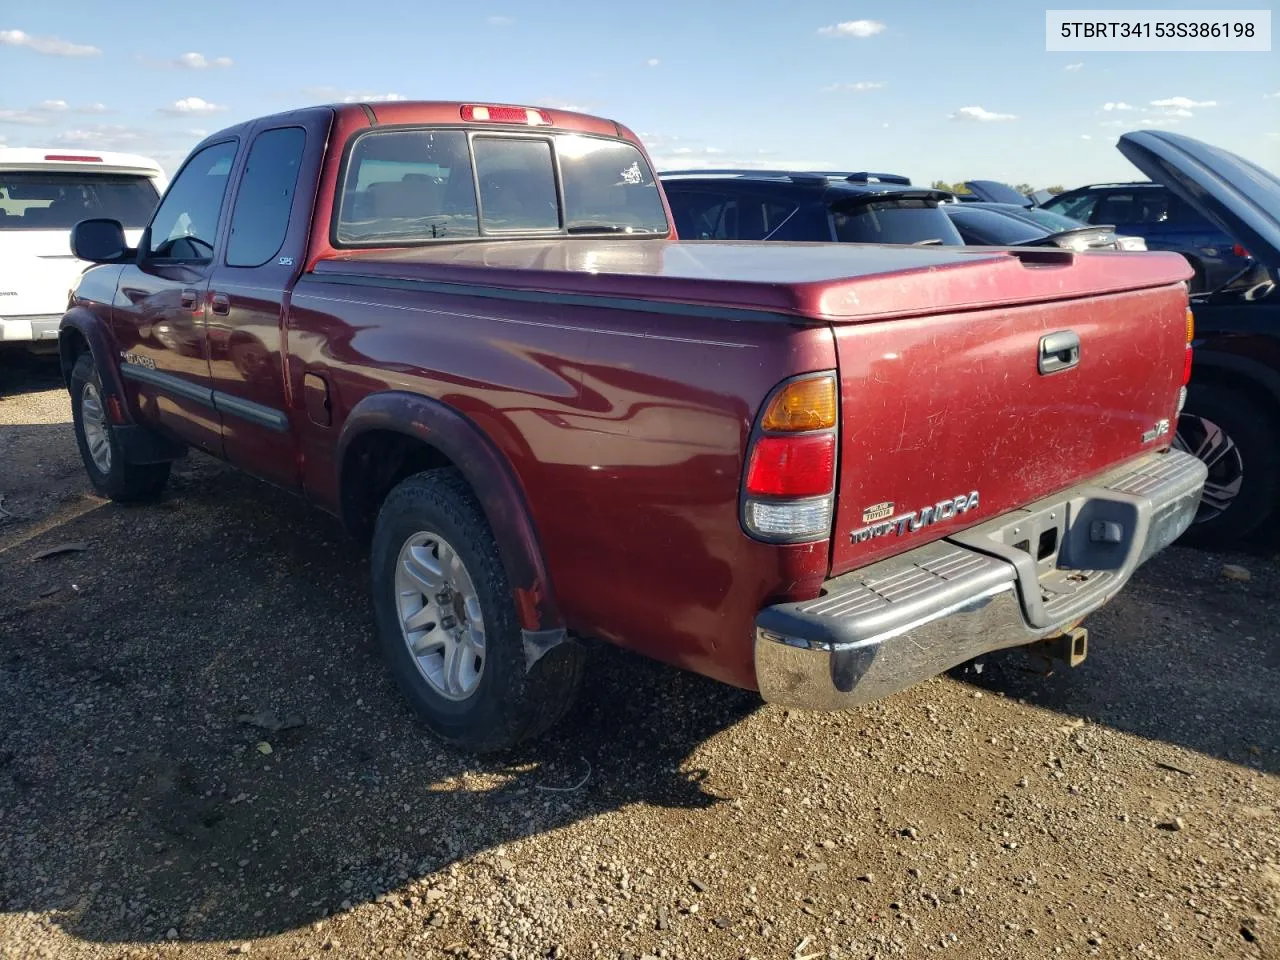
(447, 622)
(111, 473)
(1239, 441)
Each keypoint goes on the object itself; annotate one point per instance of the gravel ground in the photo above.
(201, 756)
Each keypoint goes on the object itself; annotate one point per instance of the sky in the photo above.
(925, 89)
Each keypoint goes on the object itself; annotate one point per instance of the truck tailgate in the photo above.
(948, 419)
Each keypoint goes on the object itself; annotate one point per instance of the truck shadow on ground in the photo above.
(206, 706)
(1183, 655)
(136, 709)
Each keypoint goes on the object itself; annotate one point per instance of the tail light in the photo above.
(72, 158)
(525, 116)
(1191, 335)
(788, 491)
(1239, 251)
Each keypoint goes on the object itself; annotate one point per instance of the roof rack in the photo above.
(797, 175)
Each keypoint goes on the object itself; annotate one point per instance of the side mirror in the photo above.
(99, 241)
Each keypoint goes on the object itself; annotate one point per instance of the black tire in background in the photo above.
(121, 481)
(1243, 456)
(511, 703)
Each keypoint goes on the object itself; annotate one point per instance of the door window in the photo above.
(186, 225)
(260, 218)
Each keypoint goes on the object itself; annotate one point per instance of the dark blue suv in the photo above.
(782, 205)
(1151, 211)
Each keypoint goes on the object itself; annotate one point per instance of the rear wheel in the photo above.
(447, 622)
(1239, 441)
(111, 473)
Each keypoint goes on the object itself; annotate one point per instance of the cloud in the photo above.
(1114, 123)
(1158, 121)
(102, 137)
(26, 118)
(198, 132)
(1073, 67)
(671, 152)
(49, 46)
(373, 97)
(51, 106)
(191, 106)
(1270, 96)
(1183, 103)
(1086, 136)
(198, 61)
(500, 21)
(853, 28)
(1119, 105)
(574, 106)
(859, 86)
(980, 115)
(93, 108)
(652, 62)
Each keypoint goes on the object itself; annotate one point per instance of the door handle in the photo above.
(221, 304)
(189, 299)
(1059, 351)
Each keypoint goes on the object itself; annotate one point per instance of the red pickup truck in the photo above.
(823, 471)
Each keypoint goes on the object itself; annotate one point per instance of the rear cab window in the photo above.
(57, 200)
(906, 221)
(409, 186)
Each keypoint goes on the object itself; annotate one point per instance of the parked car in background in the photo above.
(1010, 225)
(1232, 415)
(812, 206)
(824, 471)
(1164, 220)
(994, 192)
(44, 192)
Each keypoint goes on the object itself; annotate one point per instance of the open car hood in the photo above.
(1238, 196)
(992, 191)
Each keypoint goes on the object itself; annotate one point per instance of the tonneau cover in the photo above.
(801, 281)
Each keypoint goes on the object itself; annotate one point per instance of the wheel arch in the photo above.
(409, 432)
(83, 331)
(1244, 375)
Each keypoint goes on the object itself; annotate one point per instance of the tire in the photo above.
(111, 474)
(1245, 458)
(501, 703)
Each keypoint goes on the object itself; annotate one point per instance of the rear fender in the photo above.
(493, 481)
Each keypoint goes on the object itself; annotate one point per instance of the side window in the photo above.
(1116, 208)
(704, 216)
(517, 184)
(1077, 208)
(260, 217)
(185, 226)
(780, 221)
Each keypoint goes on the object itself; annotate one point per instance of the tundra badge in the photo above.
(905, 523)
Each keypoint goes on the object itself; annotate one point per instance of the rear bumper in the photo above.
(1026, 576)
(29, 329)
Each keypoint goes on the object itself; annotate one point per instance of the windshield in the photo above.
(415, 186)
(979, 226)
(894, 221)
(58, 201)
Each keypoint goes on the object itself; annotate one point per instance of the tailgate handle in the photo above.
(1059, 351)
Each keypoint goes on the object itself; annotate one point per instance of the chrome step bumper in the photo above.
(1022, 577)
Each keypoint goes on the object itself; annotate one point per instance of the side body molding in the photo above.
(493, 481)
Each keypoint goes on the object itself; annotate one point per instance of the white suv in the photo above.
(43, 194)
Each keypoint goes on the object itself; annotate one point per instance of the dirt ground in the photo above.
(201, 755)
